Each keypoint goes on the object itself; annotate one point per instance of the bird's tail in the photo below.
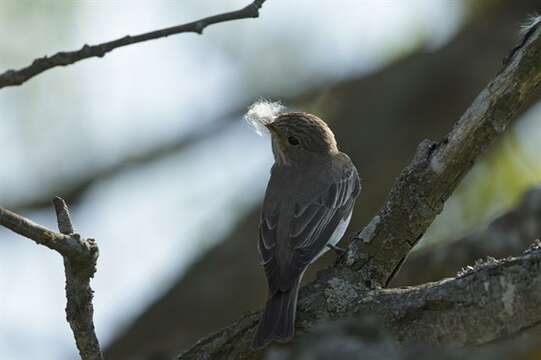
(278, 320)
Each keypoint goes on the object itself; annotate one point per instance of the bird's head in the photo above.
(297, 137)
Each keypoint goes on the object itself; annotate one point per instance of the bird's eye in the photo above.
(293, 140)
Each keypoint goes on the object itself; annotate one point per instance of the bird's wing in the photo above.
(310, 228)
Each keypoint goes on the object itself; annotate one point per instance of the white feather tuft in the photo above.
(530, 23)
(261, 113)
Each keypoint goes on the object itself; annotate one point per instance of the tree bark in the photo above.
(483, 304)
(422, 188)
(80, 258)
(366, 339)
(507, 235)
(490, 302)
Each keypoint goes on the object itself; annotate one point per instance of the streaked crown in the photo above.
(304, 130)
(297, 137)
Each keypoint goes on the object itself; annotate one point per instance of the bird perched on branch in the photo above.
(306, 210)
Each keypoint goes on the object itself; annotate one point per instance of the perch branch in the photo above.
(64, 58)
(348, 338)
(80, 256)
(490, 302)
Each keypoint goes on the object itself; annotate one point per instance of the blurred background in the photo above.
(149, 148)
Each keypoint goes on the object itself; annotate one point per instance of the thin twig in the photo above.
(80, 257)
(63, 216)
(64, 58)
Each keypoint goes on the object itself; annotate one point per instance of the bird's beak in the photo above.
(272, 128)
(275, 133)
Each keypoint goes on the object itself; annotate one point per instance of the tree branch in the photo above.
(507, 235)
(365, 337)
(491, 301)
(80, 257)
(422, 188)
(64, 58)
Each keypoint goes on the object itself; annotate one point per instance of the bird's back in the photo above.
(300, 198)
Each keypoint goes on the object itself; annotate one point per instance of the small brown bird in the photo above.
(306, 210)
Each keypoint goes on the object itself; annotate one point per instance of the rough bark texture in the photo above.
(507, 235)
(80, 257)
(420, 191)
(490, 302)
(367, 339)
(64, 58)
(79, 294)
(378, 119)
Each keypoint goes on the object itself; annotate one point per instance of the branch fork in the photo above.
(80, 257)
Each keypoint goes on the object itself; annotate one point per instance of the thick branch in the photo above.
(80, 256)
(507, 235)
(367, 338)
(493, 301)
(420, 191)
(64, 58)
(64, 244)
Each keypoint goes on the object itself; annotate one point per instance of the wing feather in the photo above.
(311, 226)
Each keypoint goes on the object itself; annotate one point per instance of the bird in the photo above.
(307, 207)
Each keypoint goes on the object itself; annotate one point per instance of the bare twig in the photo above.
(80, 256)
(367, 338)
(64, 58)
(63, 216)
(420, 191)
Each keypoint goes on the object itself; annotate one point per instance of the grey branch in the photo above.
(64, 58)
(366, 338)
(80, 257)
(493, 300)
(507, 235)
(422, 188)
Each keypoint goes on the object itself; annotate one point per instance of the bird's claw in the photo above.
(338, 250)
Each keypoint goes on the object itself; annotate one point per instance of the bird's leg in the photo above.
(338, 250)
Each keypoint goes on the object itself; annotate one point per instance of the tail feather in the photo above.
(278, 320)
